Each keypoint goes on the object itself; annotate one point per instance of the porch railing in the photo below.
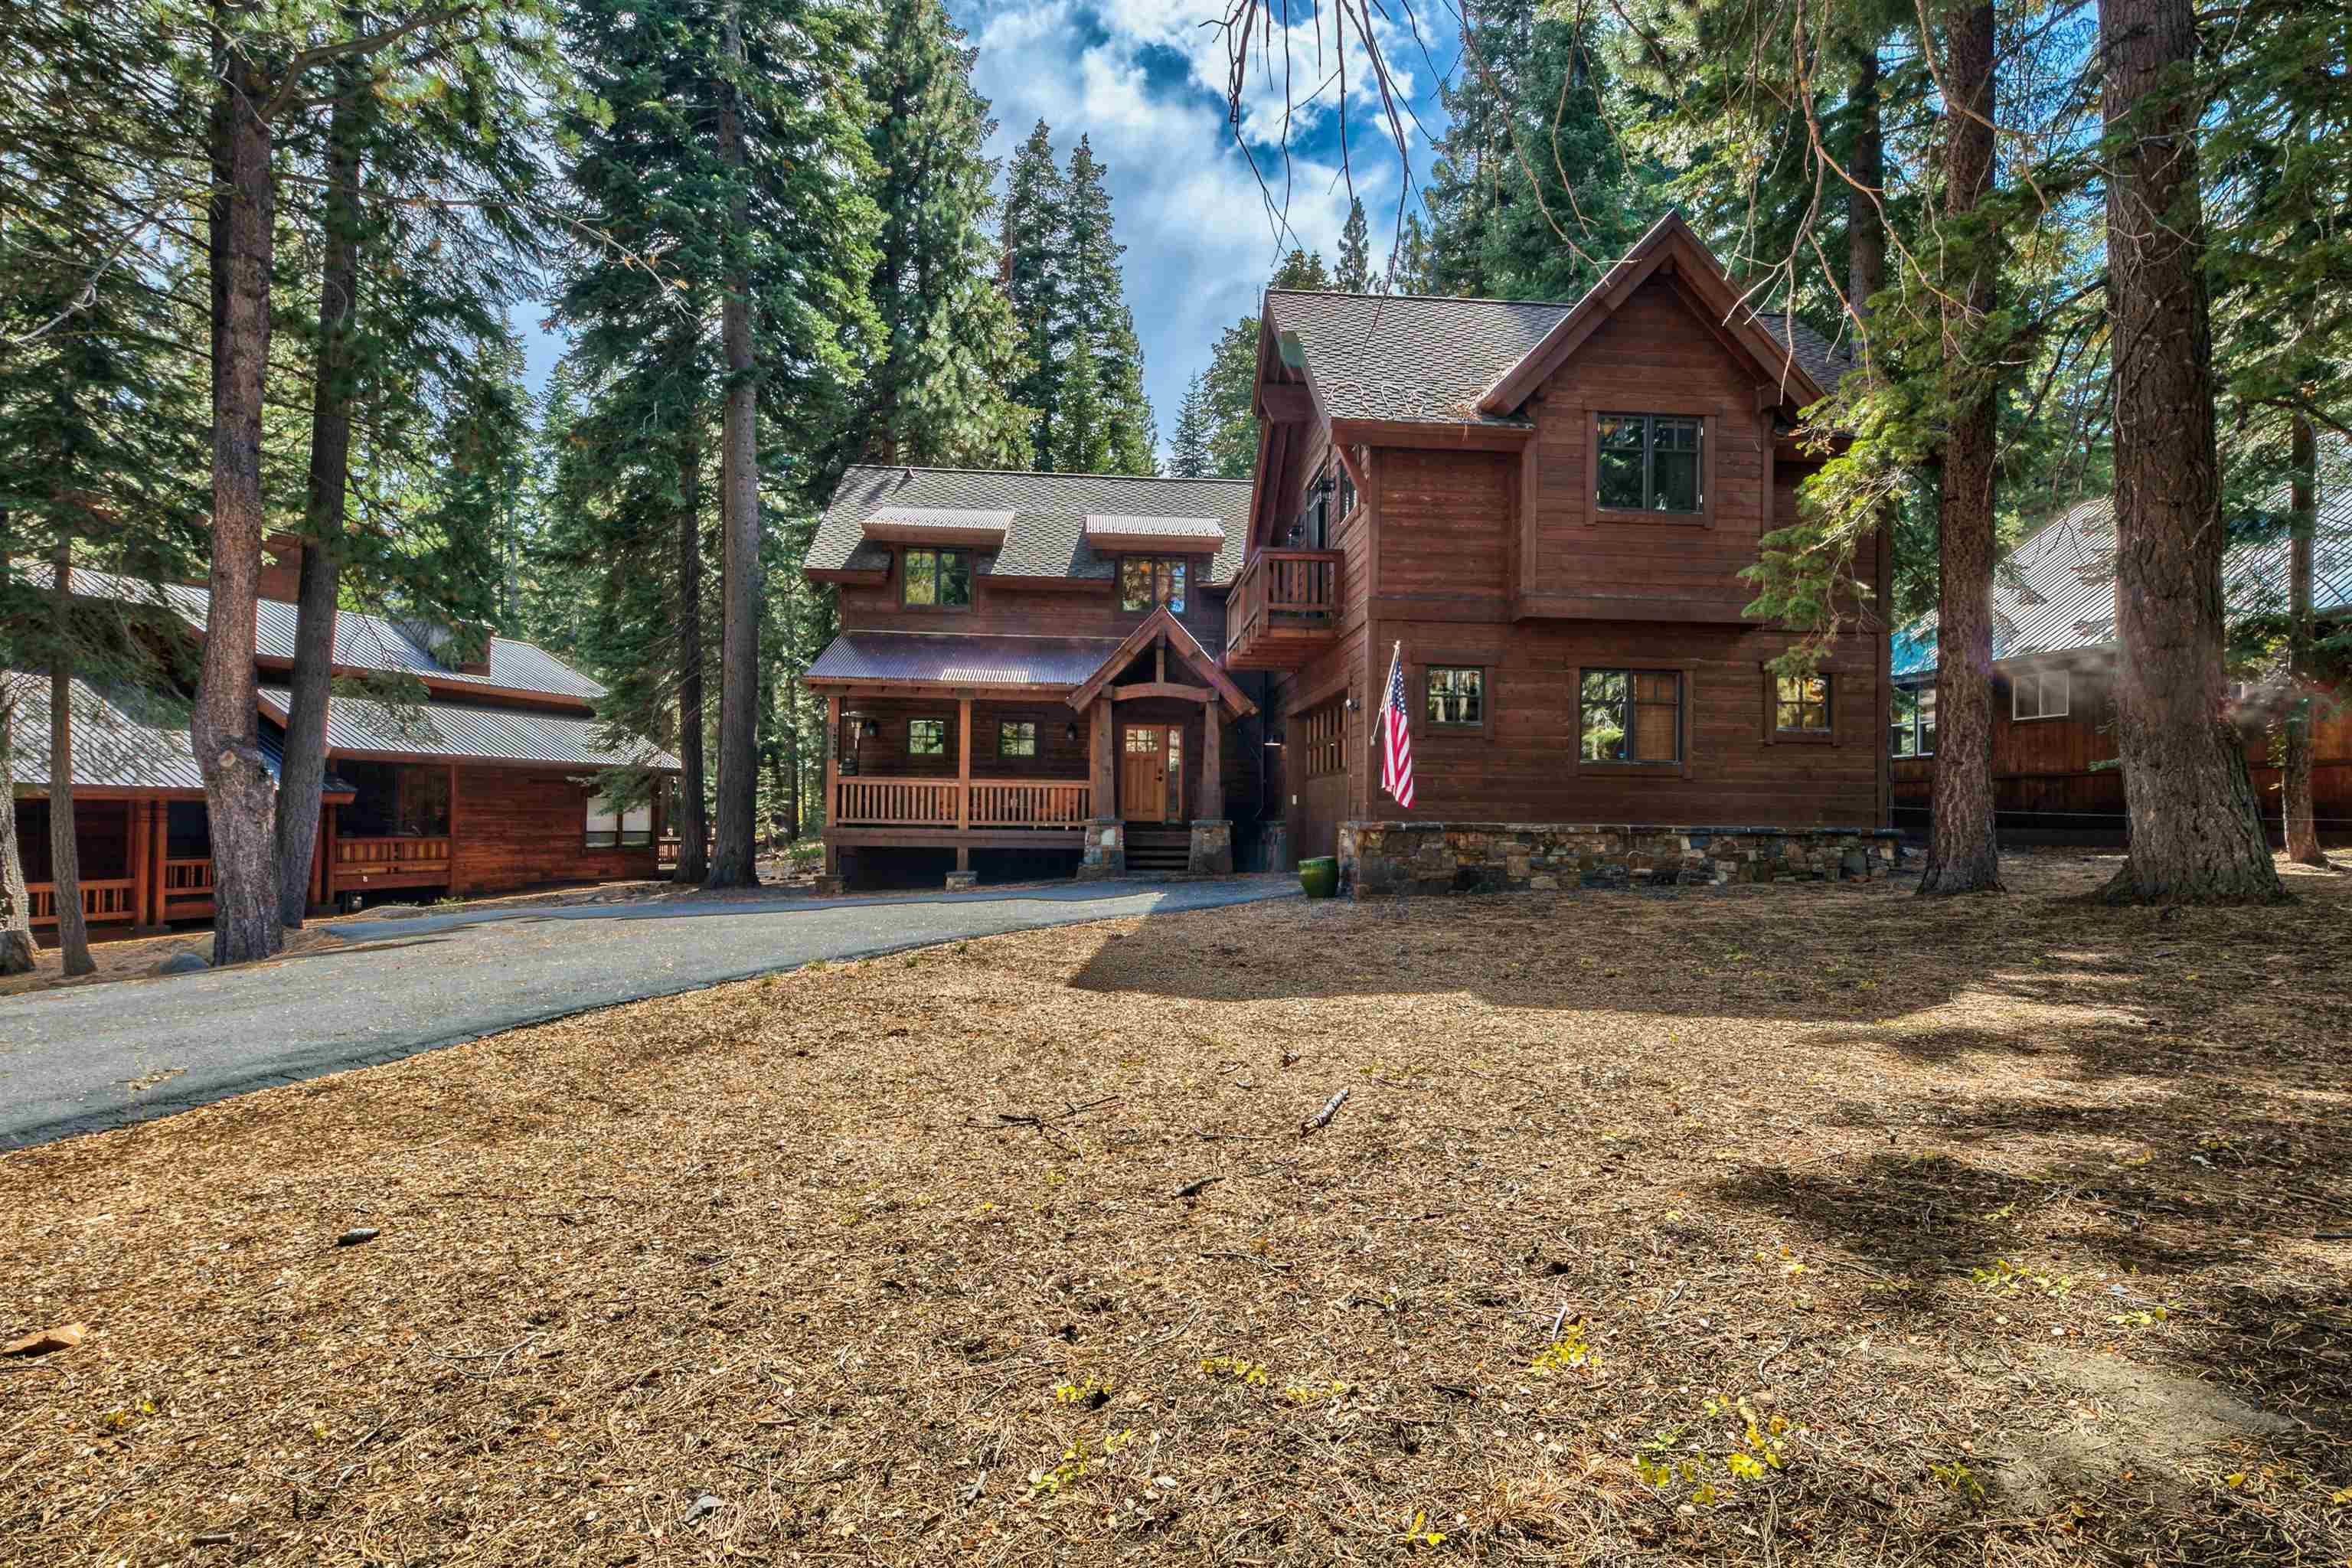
(933, 803)
(186, 879)
(402, 855)
(1282, 585)
(102, 903)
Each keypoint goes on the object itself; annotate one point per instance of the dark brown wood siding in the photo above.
(516, 827)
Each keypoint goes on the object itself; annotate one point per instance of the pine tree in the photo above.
(1035, 281)
(1354, 275)
(951, 347)
(1409, 260)
(1097, 316)
(1189, 457)
(1084, 442)
(1231, 387)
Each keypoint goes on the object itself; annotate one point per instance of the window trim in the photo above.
(1686, 741)
(1417, 684)
(1710, 434)
(970, 578)
(1036, 736)
(947, 735)
(620, 829)
(1894, 690)
(2040, 678)
(1775, 736)
(1192, 581)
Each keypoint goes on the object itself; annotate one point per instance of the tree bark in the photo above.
(2302, 510)
(734, 862)
(1963, 853)
(693, 830)
(2196, 828)
(15, 898)
(65, 855)
(239, 798)
(1865, 225)
(303, 770)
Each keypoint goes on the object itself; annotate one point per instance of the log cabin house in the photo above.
(1545, 506)
(485, 786)
(2054, 650)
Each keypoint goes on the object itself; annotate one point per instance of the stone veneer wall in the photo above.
(1377, 859)
(1105, 850)
(1212, 847)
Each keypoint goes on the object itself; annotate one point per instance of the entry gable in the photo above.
(1669, 249)
(1159, 627)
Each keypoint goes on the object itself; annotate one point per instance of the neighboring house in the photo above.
(485, 786)
(1548, 506)
(2054, 649)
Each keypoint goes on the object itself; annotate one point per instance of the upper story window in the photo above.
(2040, 694)
(1912, 730)
(1649, 462)
(1330, 497)
(1145, 581)
(1457, 695)
(936, 579)
(1801, 704)
(1631, 716)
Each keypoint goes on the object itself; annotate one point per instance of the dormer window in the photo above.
(1649, 462)
(935, 580)
(1147, 581)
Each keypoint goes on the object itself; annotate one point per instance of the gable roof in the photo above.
(472, 734)
(362, 641)
(1158, 626)
(1046, 537)
(2056, 591)
(124, 738)
(960, 658)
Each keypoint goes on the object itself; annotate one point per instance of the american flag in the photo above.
(1396, 736)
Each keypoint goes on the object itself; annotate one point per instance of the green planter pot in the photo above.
(1319, 876)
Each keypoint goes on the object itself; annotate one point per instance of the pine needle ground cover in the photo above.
(1813, 1225)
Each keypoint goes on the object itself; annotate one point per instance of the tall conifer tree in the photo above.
(1035, 281)
(1097, 315)
(1355, 272)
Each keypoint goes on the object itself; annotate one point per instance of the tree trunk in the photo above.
(15, 898)
(303, 769)
(239, 798)
(734, 862)
(1963, 855)
(2196, 829)
(1865, 225)
(2301, 816)
(65, 856)
(693, 831)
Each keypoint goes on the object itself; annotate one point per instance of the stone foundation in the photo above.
(1105, 850)
(962, 881)
(1212, 848)
(1379, 858)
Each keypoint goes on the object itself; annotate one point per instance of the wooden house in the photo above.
(1545, 506)
(2055, 651)
(485, 785)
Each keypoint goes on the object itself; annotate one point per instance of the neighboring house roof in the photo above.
(471, 734)
(1047, 534)
(2056, 592)
(123, 738)
(964, 660)
(362, 641)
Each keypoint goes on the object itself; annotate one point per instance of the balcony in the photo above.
(992, 803)
(1283, 610)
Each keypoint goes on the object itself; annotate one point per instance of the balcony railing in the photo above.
(936, 803)
(1283, 606)
(102, 903)
(408, 856)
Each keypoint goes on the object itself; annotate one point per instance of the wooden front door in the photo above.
(1151, 772)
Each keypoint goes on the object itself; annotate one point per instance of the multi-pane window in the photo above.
(938, 579)
(1801, 703)
(1912, 730)
(1631, 716)
(1322, 737)
(1016, 738)
(927, 737)
(1649, 462)
(2040, 694)
(1457, 694)
(1148, 580)
(612, 826)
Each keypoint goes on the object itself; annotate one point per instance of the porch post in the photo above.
(1213, 788)
(963, 768)
(831, 781)
(1101, 758)
(453, 830)
(1105, 845)
(135, 828)
(158, 849)
(318, 860)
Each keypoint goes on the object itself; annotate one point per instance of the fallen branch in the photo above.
(1191, 1189)
(1323, 1117)
(1006, 1118)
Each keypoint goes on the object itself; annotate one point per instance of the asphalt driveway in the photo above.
(87, 1057)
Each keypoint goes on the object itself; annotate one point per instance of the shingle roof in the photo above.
(1416, 357)
(473, 735)
(362, 641)
(124, 738)
(1819, 358)
(969, 660)
(2056, 592)
(1047, 536)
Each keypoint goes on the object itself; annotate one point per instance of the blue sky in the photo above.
(1144, 80)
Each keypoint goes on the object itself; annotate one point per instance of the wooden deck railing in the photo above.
(1276, 586)
(102, 903)
(404, 855)
(932, 803)
(186, 879)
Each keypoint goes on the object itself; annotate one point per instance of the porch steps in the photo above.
(1159, 849)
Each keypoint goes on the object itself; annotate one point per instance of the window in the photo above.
(1801, 704)
(1148, 580)
(1631, 716)
(1912, 730)
(936, 579)
(1457, 695)
(1016, 738)
(2040, 694)
(1649, 462)
(1322, 734)
(1347, 495)
(611, 826)
(927, 737)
